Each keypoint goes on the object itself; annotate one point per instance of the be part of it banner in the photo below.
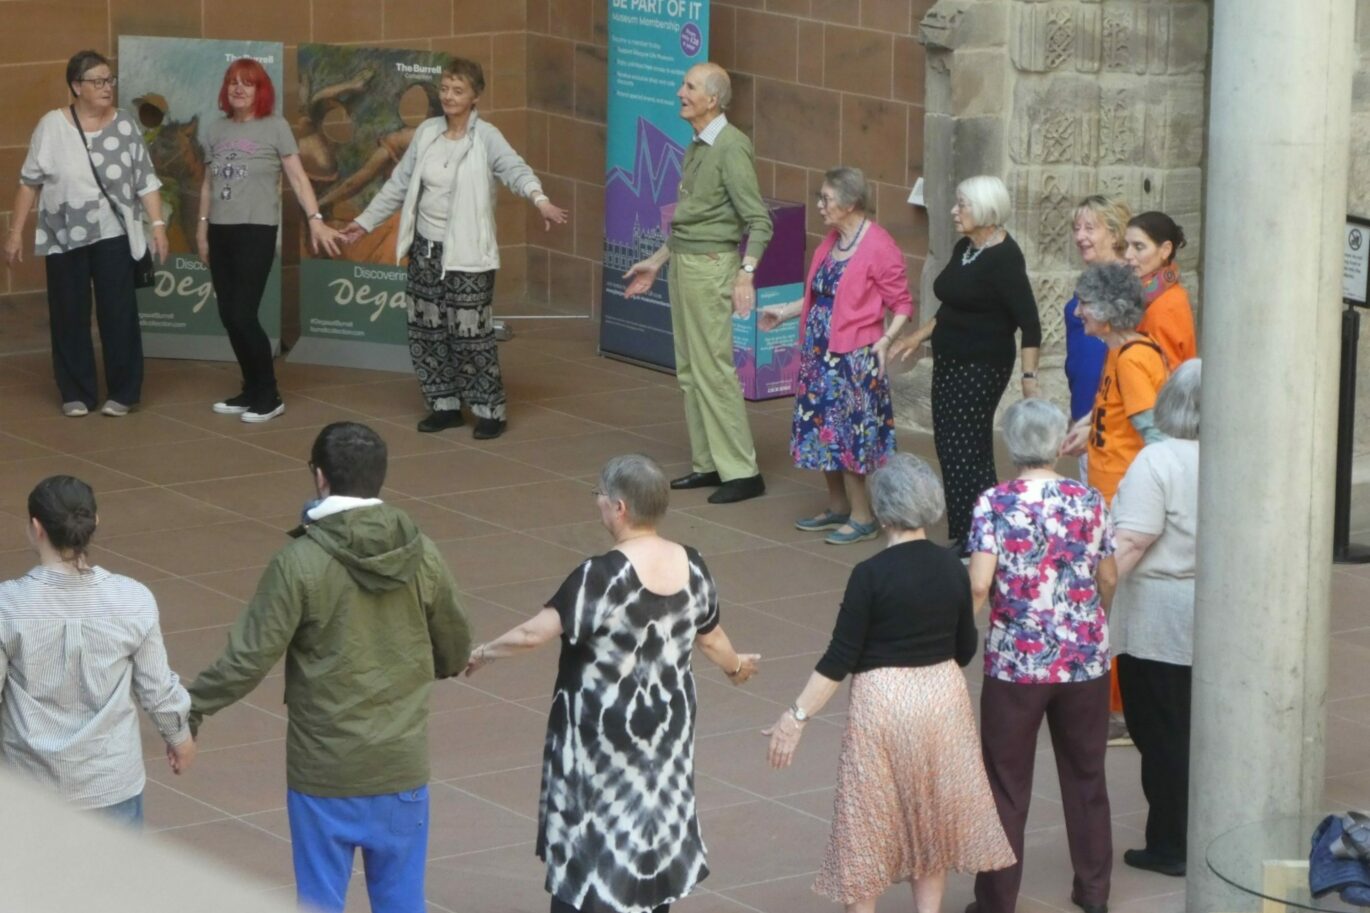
(171, 87)
(651, 45)
(359, 110)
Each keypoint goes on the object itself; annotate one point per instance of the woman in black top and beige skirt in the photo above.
(912, 799)
(985, 300)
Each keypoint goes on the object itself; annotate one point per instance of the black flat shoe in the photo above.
(489, 428)
(1145, 859)
(735, 490)
(441, 420)
(1088, 907)
(697, 480)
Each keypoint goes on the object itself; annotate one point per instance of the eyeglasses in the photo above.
(101, 82)
(823, 199)
(595, 492)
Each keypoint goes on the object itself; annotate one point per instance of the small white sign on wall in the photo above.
(1355, 276)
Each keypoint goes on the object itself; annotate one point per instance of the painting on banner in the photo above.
(651, 45)
(359, 110)
(171, 87)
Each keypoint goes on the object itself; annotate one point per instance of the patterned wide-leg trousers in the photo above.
(452, 335)
(964, 397)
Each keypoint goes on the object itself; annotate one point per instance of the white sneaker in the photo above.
(233, 405)
(114, 410)
(264, 414)
(74, 409)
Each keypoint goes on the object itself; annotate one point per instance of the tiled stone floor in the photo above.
(194, 504)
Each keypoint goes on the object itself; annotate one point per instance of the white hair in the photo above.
(988, 199)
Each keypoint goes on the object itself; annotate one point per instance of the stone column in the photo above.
(1276, 197)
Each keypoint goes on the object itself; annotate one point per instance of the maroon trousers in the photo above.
(1077, 717)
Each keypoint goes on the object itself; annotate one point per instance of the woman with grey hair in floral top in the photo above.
(89, 171)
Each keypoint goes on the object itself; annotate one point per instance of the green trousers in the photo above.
(701, 287)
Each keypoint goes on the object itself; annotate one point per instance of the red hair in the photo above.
(249, 71)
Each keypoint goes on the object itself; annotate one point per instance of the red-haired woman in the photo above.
(239, 215)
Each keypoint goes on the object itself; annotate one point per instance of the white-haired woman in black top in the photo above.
(986, 300)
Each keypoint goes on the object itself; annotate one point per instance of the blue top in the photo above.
(1084, 363)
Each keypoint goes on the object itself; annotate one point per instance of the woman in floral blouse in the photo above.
(1042, 556)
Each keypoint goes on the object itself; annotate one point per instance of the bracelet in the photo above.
(316, 217)
(159, 223)
(1029, 375)
(204, 218)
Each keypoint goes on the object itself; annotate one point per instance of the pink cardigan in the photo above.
(874, 282)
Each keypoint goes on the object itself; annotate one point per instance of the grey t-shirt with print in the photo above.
(244, 160)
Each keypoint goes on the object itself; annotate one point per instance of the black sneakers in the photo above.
(264, 412)
(234, 405)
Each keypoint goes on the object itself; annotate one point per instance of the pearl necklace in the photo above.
(855, 236)
(969, 255)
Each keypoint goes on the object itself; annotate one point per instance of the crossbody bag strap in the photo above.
(76, 122)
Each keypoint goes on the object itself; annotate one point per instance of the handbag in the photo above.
(144, 272)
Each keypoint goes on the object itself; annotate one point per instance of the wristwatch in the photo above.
(317, 215)
(1029, 375)
(798, 713)
(749, 267)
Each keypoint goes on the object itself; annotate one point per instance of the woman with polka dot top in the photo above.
(87, 240)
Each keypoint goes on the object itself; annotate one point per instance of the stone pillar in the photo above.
(1279, 115)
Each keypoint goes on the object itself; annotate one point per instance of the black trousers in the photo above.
(240, 258)
(1077, 717)
(108, 265)
(561, 906)
(1156, 707)
(964, 397)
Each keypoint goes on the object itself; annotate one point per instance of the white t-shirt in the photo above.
(438, 171)
(1153, 611)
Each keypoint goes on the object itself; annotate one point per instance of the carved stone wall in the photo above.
(1061, 98)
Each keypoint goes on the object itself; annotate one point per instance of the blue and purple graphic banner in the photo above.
(651, 45)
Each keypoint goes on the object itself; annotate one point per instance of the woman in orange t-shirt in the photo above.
(1121, 422)
(1152, 240)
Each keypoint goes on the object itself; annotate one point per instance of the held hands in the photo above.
(323, 235)
(746, 668)
(181, 756)
(882, 354)
(771, 317)
(551, 213)
(904, 349)
(352, 233)
(477, 661)
(1077, 439)
(14, 248)
(784, 733)
(641, 276)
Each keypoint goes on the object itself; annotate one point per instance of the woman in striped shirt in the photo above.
(77, 645)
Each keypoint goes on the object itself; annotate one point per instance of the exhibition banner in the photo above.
(171, 87)
(359, 110)
(651, 45)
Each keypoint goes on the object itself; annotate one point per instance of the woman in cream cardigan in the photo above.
(444, 188)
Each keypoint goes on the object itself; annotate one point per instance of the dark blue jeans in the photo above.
(129, 812)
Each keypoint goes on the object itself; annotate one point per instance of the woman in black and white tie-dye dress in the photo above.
(617, 826)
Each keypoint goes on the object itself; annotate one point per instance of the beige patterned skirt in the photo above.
(912, 797)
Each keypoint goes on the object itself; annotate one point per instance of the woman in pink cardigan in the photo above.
(843, 418)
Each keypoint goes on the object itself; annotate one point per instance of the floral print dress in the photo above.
(843, 417)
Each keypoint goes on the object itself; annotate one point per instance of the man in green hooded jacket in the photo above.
(366, 613)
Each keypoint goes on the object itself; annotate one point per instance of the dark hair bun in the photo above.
(65, 506)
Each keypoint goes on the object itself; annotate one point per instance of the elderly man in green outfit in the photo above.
(719, 200)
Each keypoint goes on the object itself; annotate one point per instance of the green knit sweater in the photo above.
(720, 199)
